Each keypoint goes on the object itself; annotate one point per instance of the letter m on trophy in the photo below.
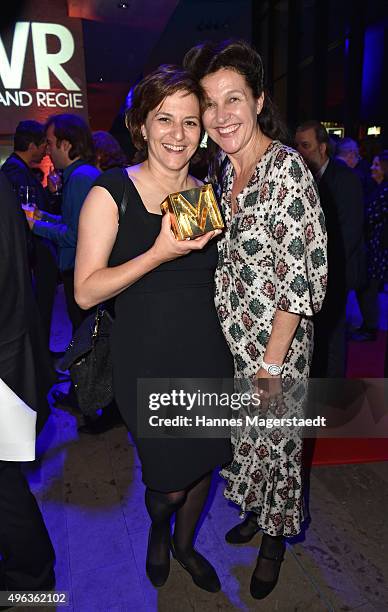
(193, 212)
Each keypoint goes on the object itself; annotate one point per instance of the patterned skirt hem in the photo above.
(283, 529)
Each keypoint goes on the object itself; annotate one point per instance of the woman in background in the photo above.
(376, 238)
(109, 154)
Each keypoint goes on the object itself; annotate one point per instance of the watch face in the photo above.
(274, 370)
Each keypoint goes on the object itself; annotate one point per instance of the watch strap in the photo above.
(268, 366)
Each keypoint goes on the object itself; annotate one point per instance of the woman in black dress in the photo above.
(164, 288)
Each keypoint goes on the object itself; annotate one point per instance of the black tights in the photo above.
(187, 505)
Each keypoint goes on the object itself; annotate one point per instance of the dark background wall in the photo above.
(324, 59)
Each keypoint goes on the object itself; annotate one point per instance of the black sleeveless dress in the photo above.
(149, 339)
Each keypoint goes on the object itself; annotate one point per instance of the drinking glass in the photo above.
(27, 198)
(54, 180)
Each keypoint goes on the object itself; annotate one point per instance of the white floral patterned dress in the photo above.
(272, 256)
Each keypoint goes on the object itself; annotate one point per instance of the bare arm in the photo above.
(94, 282)
(283, 330)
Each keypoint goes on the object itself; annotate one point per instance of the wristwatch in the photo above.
(272, 368)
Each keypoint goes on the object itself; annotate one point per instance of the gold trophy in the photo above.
(194, 212)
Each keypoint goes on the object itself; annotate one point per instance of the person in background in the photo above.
(30, 146)
(108, 152)
(38, 173)
(342, 203)
(27, 555)
(377, 251)
(270, 281)
(347, 151)
(70, 146)
(379, 167)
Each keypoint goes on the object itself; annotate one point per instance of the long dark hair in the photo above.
(109, 154)
(209, 57)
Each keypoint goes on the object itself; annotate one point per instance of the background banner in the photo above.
(42, 68)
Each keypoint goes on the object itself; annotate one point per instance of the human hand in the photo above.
(268, 387)
(166, 247)
(54, 181)
(38, 214)
(30, 221)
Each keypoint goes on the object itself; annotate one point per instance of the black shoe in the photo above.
(243, 532)
(201, 571)
(271, 555)
(157, 574)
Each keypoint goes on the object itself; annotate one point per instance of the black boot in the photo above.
(243, 532)
(266, 573)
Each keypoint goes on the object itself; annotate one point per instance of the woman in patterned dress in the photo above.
(270, 281)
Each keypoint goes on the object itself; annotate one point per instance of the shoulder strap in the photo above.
(124, 201)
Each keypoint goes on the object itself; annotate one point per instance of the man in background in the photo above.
(27, 555)
(30, 146)
(70, 146)
(347, 151)
(342, 203)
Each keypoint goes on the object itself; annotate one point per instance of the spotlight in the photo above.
(123, 5)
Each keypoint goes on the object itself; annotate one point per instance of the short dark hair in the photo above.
(320, 131)
(209, 57)
(321, 134)
(76, 131)
(28, 132)
(150, 93)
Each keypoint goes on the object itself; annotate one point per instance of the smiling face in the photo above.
(172, 131)
(230, 116)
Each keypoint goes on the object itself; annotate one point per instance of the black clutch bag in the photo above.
(88, 355)
(89, 360)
